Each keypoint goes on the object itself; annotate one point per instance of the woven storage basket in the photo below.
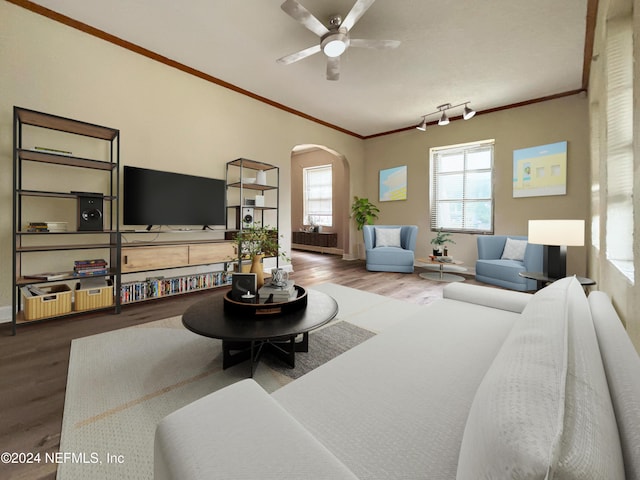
(57, 301)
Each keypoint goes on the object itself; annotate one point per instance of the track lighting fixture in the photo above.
(444, 119)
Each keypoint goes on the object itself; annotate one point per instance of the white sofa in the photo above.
(485, 384)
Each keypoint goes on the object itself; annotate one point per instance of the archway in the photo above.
(308, 155)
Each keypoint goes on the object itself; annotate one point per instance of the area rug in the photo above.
(122, 383)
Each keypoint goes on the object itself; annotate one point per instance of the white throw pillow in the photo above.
(514, 249)
(388, 237)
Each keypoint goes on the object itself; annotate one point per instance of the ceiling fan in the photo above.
(335, 39)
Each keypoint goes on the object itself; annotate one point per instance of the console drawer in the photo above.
(200, 254)
(136, 259)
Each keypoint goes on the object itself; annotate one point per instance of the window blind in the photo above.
(619, 142)
(462, 187)
(318, 195)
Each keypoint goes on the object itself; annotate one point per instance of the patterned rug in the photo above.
(122, 383)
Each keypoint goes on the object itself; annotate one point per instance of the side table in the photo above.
(543, 279)
(442, 273)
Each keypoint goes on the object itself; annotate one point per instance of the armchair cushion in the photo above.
(388, 237)
(514, 249)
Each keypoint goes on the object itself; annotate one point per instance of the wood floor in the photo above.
(34, 363)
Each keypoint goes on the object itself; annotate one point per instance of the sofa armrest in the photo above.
(622, 366)
(533, 257)
(487, 296)
(240, 432)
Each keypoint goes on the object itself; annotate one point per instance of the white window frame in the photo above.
(436, 176)
(311, 215)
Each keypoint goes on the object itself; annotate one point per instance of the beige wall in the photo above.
(537, 124)
(340, 178)
(624, 293)
(168, 119)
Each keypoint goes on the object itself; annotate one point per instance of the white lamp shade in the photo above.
(556, 232)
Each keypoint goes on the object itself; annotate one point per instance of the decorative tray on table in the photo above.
(264, 310)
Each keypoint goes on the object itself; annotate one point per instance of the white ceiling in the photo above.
(489, 52)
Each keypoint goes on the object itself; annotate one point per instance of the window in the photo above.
(462, 187)
(318, 195)
(619, 145)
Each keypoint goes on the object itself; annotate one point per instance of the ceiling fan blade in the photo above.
(294, 57)
(301, 14)
(380, 44)
(356, 12)
(333, 68)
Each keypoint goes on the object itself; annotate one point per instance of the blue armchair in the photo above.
(503, 272)
(384, 255)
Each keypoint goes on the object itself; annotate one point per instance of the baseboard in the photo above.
(5, 314)
(315, 248)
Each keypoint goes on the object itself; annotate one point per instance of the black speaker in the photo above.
(90, 213)
(247, 217)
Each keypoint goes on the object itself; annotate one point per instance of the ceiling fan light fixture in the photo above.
(468, 112)
(334, 44)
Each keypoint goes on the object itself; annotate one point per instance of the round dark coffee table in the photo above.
(246, 338)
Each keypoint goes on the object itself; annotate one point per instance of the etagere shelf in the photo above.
(33, 124)
(245, 178)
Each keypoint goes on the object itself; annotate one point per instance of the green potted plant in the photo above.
(254, 243)
(363, 212)
(440, 242)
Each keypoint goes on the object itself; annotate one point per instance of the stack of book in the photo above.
(37, 227)
(86, 268)
(272, 294)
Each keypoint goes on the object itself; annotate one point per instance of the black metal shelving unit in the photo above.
(64, 240)
(237, 173)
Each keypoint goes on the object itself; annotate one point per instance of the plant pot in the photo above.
(437, 252)
(256, 267)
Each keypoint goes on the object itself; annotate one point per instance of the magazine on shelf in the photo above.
(48, 275)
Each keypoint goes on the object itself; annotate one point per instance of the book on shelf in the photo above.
(57, 226)
(48, 275)
(90, 263)
(37, 227)
(88, 273)
(85, 268)
(52, 150)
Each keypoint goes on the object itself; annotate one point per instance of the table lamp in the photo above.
(556, 236)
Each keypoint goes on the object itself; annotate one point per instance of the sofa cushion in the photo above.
(387, 237)
(543, 409)
(395, 406)
(507, 270)
(514, 249)
(239, 433)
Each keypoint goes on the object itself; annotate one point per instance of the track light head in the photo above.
(423, 125)
(444, 120)
(468, 112)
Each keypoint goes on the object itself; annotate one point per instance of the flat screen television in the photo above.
(154, 197)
